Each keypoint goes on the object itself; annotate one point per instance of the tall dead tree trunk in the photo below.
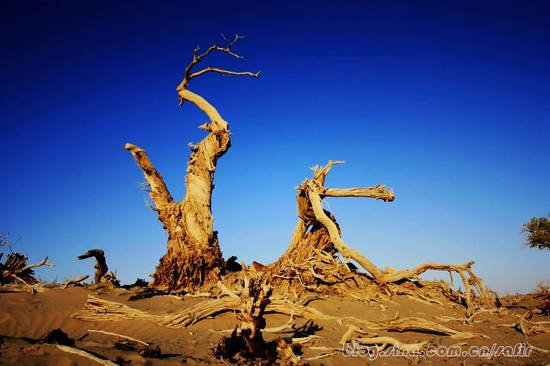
(193, 256)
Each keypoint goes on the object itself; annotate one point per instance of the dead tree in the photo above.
(247, 339)
(102, 273)
(100, 263)
(317, 230)
(193, 254)
(16, 270)
(316, 241)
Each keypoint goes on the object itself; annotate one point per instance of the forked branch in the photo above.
(198, 57)
(184, 94)
(320, 172)
(35, 265)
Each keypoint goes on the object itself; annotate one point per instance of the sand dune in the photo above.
(25, 317)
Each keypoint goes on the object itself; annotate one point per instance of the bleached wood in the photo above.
(379, 192)
(120, 336)
(346, 251)
(36, 265)
(75, 281)
(82, 353)
(193, 255)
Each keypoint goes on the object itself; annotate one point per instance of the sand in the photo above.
(25, 318)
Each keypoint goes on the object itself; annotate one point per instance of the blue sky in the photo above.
(448, 103)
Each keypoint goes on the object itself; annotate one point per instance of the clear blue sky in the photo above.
(446, 102)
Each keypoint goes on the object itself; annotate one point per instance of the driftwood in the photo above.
(193, 255)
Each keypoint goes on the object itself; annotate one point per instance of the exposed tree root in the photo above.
(470, 319)
(12, 287)
(247, 303)
(96, 309)
(384, 342)
(528, 328)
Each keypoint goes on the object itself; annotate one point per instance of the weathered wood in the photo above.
(247, 338)
(100, 263)
(324, 232)
(82, 353)
(75, 281)
(317, 234)
(16, 270)
(193, 254)
(379, 192)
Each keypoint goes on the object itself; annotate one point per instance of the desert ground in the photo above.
(26, 318)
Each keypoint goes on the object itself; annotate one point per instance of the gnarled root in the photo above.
(189, 270)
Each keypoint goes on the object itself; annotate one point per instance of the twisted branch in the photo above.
(184, 94)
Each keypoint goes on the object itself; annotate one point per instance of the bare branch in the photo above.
(332, 229)
(158, 191)
(197, 58)
(320, 172)
(31, 266)
(226, 50)
(379, 192)
(222, 71)
(75, 281)
(235, 40)
(217, 123)
(6, 242)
